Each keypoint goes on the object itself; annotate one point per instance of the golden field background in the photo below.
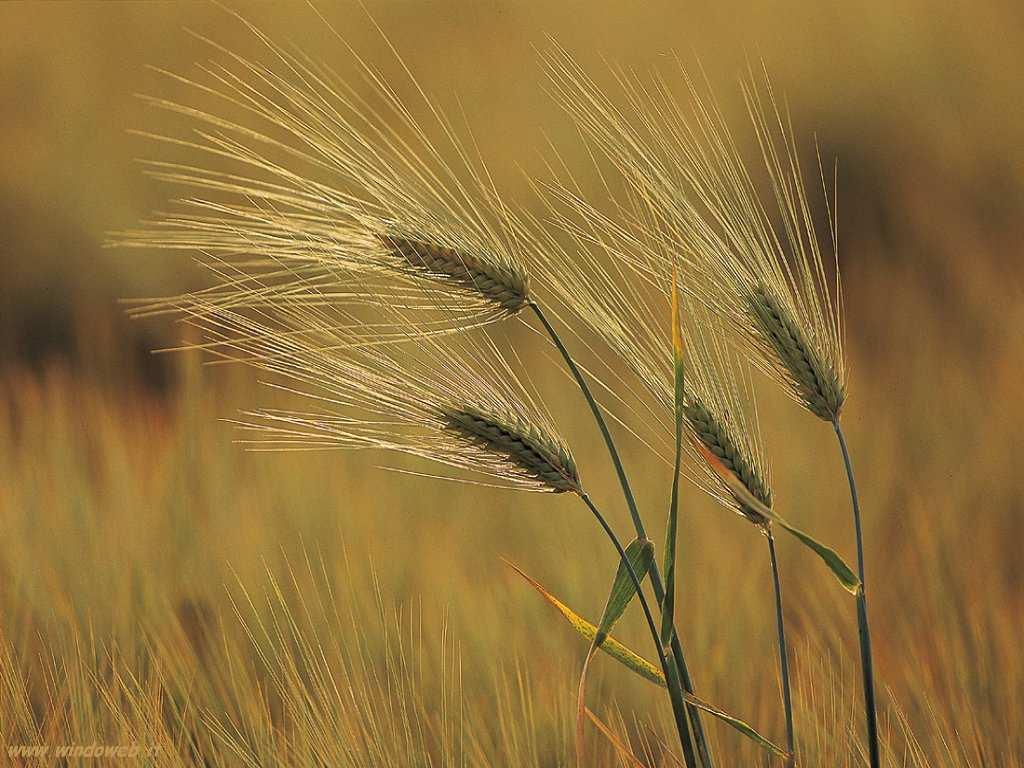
(159, 585)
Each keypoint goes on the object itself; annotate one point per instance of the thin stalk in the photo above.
(787, 697)
(866, 662)
(674, 501)
(671, 532)
(638, 525)
(671, 679)
(634, 513)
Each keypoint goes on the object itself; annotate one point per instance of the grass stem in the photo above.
(787, 696)
(655, 574)
(671, 679)
(866, 661)
(672, 526)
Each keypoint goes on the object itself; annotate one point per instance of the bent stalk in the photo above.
(655, 574)
(866, 662)
(787, 698)
(679, 706)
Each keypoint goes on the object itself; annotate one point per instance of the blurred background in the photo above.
(143, 546)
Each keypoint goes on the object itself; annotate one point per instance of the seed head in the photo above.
(477, 273)
(456, 400)
(714, 435)
(690, 195)
(817, 385)
(314, 194)
(528, 449)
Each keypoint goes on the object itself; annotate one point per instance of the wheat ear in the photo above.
(530, 449)
(817, 384)
(506, 286)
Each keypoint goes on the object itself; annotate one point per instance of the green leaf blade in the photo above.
(843, 573)
(629, 659)
(640, 556)
(736, 724)
(641, 666)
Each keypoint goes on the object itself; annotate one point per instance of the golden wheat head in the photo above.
(302, 190)
(686, 192)
(456, 401)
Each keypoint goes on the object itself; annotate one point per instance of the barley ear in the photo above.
(817, 383)
(503, 284)
(713, 438)
(528, 449)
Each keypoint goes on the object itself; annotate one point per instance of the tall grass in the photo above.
(691, 198)
(294, 320)
(98, 484)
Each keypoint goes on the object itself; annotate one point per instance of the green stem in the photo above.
(655, 575)
(671, 534)
(634, 513)
(866, 662)
(787, 698)
(671, 680)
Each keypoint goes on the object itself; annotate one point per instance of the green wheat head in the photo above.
(818, 386)
(528, 448)
(506, 285)
(716, 438)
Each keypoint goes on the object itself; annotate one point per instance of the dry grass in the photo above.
(159, 585)
(138, 524)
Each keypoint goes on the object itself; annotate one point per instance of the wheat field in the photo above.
(162, 587)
